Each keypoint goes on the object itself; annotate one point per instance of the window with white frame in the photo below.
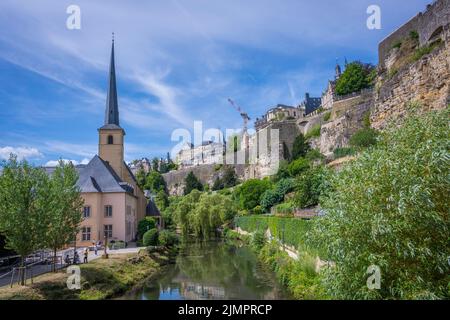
(86, 233)
(108, 211)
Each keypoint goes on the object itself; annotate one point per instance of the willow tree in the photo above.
(23, 207)
(64, 208)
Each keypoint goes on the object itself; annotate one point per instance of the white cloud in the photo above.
(20, 152)
(55, 163)
(82, 150)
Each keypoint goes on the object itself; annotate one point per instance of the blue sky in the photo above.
(176, 61)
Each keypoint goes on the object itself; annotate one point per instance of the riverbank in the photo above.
(299, 276)
(100, 279)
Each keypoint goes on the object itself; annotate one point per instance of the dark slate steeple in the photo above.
(112, 106)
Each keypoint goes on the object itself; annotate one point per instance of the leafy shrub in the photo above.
(390, 208)
(343, 152)
(167, 238)
(366, 119)
(327, 116)
(298, 166)
(300, 147)
(299, 277)
(144, 225)
(150, 238)
(258, 239)
(364, 138)
(276, 195)
(422, 51)
(310, 186)
(414, 35)
(314, 155)
(292, 230)
(250, 192)
(155, 182)
(257, 210)
(357, 76)
(282, 172)
(192, 183)
(286, 208)
(314, 132)
(228, 180)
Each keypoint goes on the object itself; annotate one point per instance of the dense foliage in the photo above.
(310, 186)
(38, 210)
(300, 277)
(390, 208)
(202, 214)
(275, 195)
(167, 238)
(228, 180)
(249, 194)
(300, 147)
(192, 183)
(298, 166)
(150, 237)
(155, 182)
(343, 152)
(291, 231)
(314, 131)
(357, 76)
(144, 225)
(364, 138)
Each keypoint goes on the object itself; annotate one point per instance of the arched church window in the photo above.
(110, 140)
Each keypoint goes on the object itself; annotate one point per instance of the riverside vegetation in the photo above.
(387, 207)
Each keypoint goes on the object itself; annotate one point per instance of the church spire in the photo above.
(112, 107)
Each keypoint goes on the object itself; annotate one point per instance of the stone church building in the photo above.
(114, 203)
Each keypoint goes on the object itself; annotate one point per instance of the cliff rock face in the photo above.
(205, 173)
(337, 133)
(426, 81)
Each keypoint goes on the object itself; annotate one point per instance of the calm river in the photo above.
(213, 270)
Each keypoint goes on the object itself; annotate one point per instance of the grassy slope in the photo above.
(100, 279)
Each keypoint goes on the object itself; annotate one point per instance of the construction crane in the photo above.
(243, 114)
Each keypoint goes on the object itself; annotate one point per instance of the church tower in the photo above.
(111, 135)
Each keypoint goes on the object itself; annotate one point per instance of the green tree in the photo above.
(357, 76)
(150, 238)
(144, 225)
(24, 195)
(300, 147)
(364, 138)
(64, 208)
(155, 182)
(276, 195)
(192, 183)
(390, 208)
(310, 186)
(161, 200)
(155, 164)
(141, 178)
(250, 192)
(298, 166)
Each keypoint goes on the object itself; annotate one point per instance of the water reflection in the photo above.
(213, 270)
